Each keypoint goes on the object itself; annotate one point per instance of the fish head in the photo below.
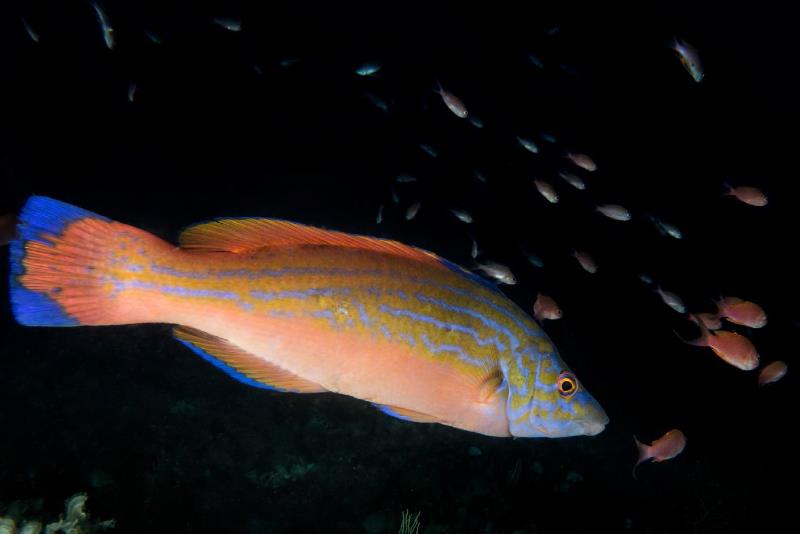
(546, 399)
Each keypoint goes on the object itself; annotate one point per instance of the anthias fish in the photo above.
(573, 180)
(772, 373)
(453, 103)
(546, 190)
(614, 211)
(545, 307)
(289, 307)
(664, 448)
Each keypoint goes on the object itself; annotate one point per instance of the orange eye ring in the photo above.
(567, 384)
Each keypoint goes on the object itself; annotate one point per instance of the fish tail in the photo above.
(682, 338)
(727, 188)
(718, 305)
(644, 454)
(696, 343)
(63, 263)
(705, 332)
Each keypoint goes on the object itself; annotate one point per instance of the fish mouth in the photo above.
(595, 425)
(592, 428)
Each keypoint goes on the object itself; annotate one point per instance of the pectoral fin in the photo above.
(491, 386)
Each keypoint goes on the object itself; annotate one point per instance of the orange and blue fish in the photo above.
(293, 308)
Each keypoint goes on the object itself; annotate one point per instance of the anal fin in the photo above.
(242, 365)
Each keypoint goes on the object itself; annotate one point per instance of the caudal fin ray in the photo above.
(59, 265)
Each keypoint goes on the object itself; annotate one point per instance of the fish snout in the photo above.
(595, 422)
(592, 428)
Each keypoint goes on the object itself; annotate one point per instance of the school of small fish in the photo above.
(730, 345)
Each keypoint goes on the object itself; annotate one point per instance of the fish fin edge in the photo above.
(55, 275)
(404, 414)
(247, 234)
(242, 365)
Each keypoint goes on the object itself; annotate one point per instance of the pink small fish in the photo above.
(498, 271)
(749, 195)
(586, 261)
(742, 312)
(615, 212)
(573, 180)
(546, 190)
(583, 161)
(453, 103)
(666, 447)
(546, 308)
(731, 347)
(772, 373)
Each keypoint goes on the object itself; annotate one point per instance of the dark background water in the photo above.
(163, 442)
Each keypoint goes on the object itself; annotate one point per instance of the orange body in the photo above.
(749, 195)
(546, 308)
(302, 309)
(742, 312)
(732, 347)
(307, 336)
(772, 372)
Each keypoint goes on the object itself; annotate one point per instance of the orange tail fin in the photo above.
(61, 265)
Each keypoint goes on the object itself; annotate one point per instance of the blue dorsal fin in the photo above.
(242, 365)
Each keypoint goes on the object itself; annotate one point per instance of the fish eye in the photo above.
(567, 384)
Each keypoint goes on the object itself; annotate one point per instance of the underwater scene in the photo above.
(396, 267)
